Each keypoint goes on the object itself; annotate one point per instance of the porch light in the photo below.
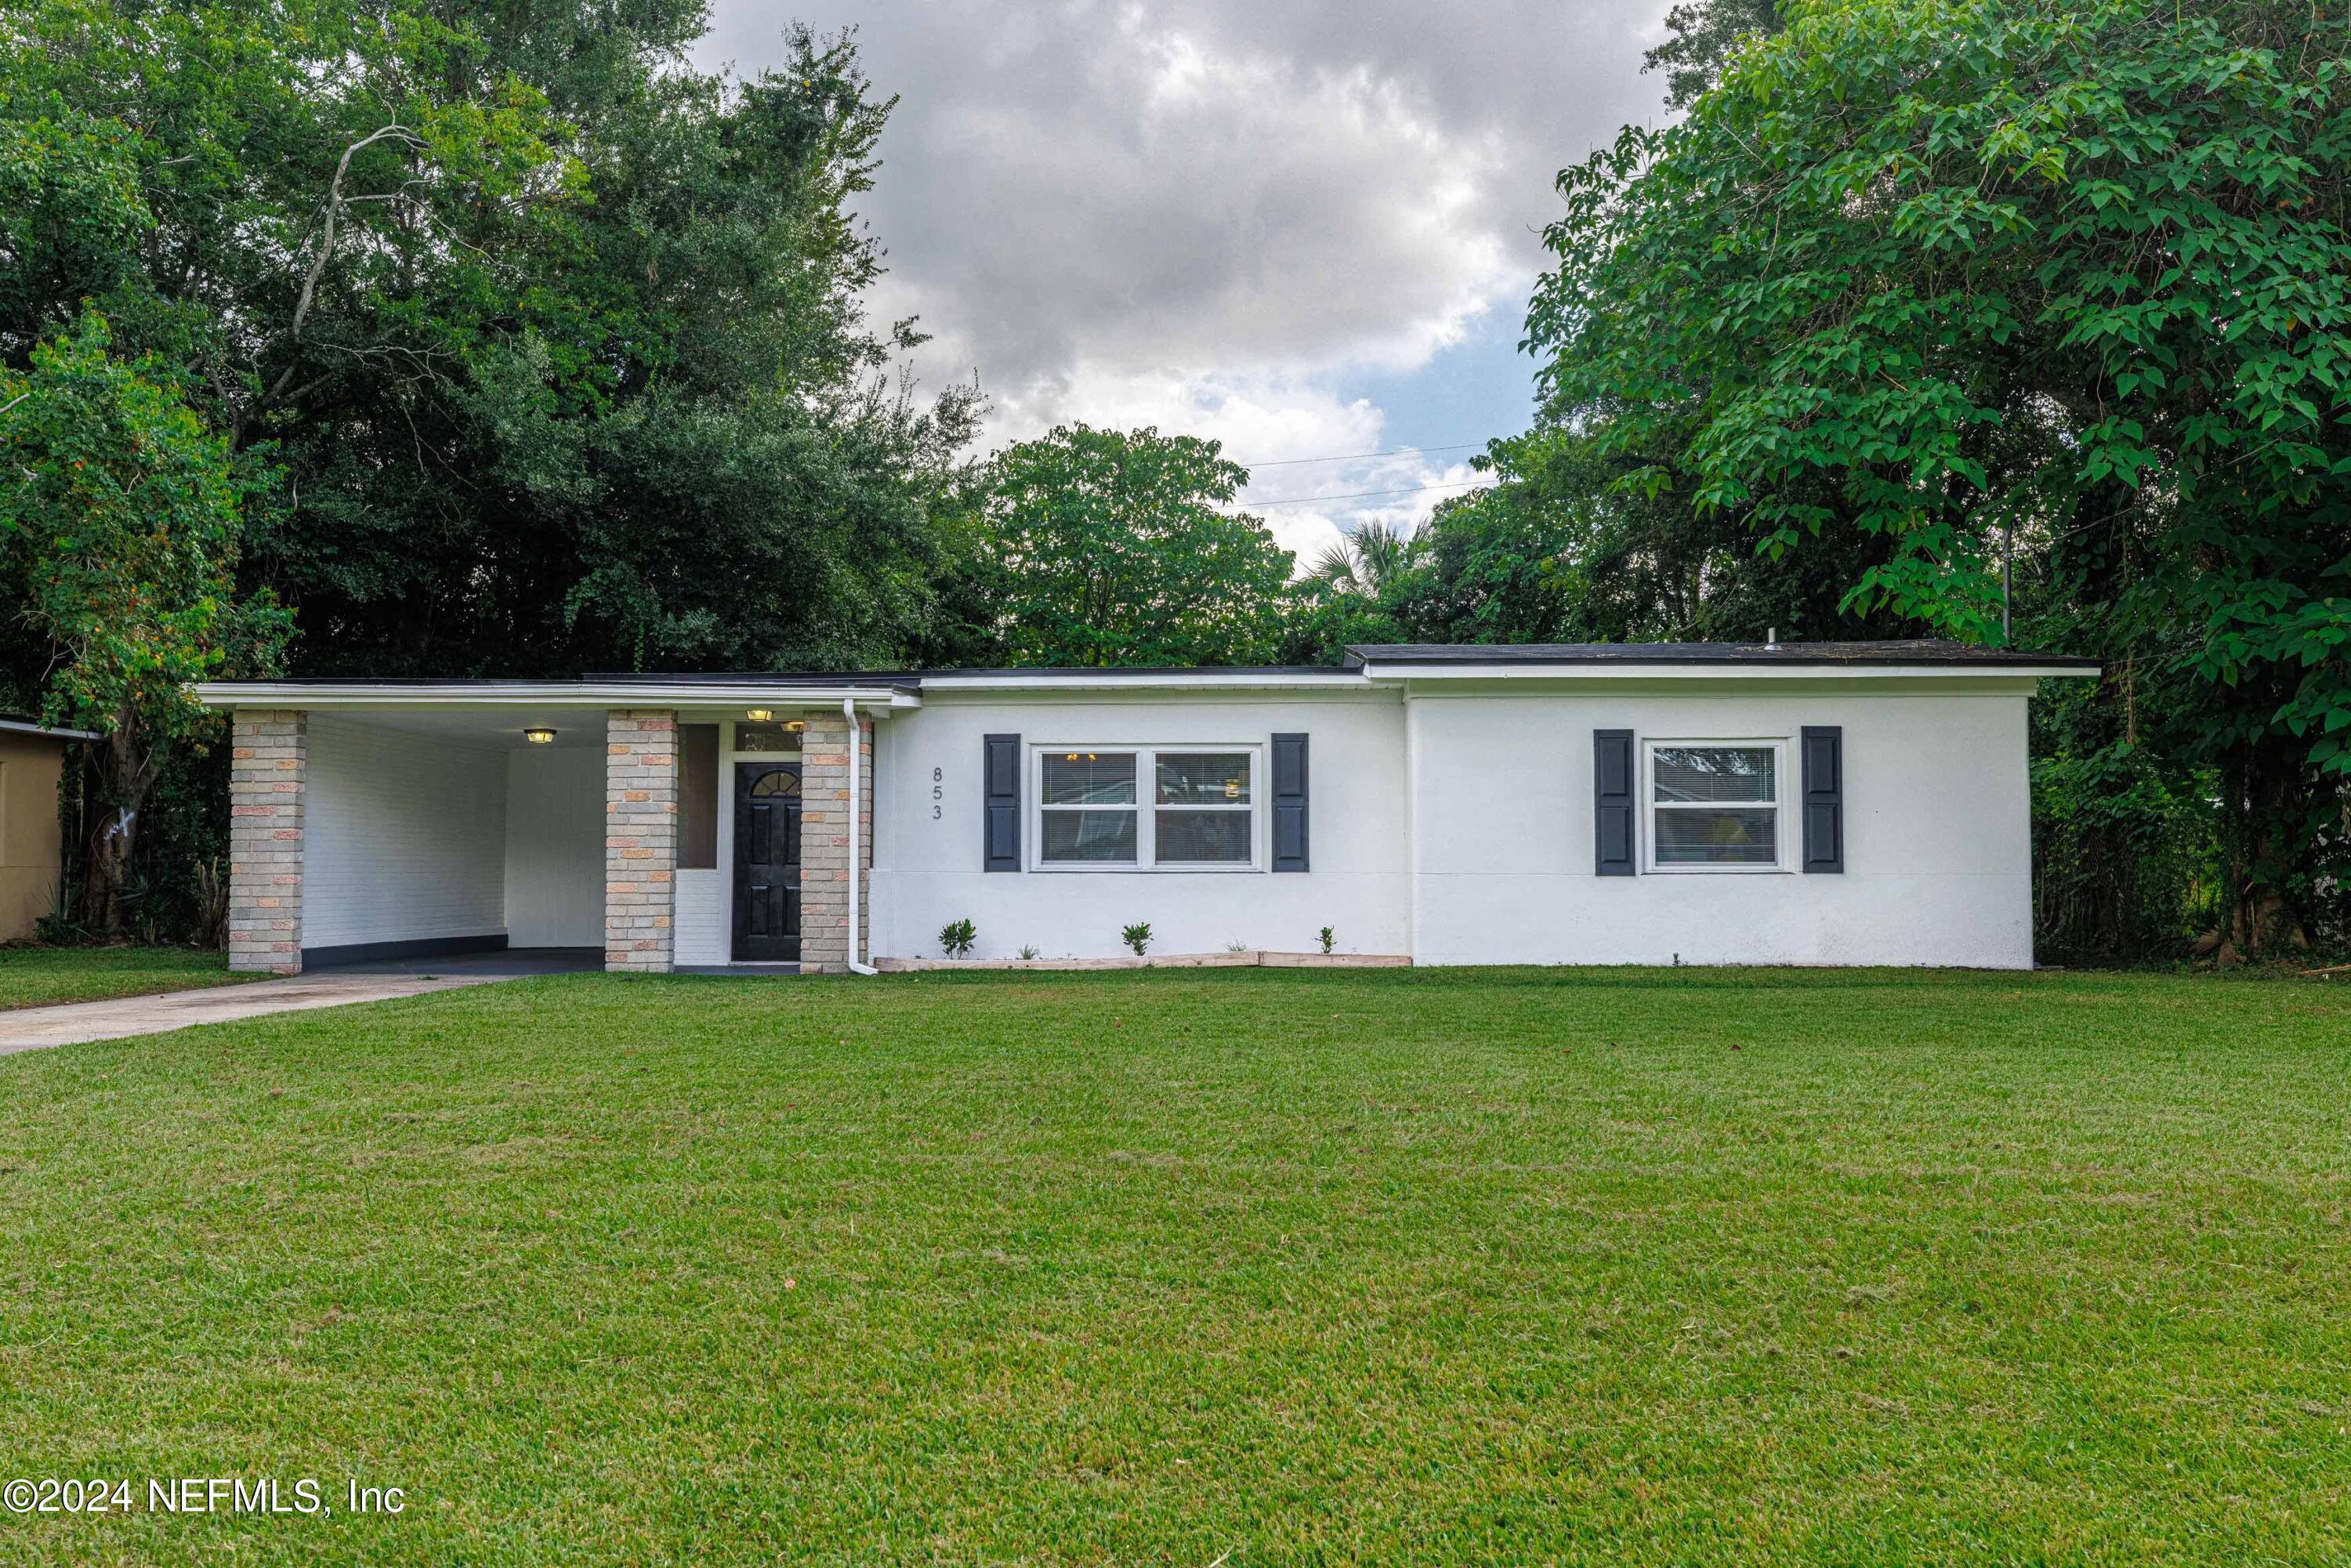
(796, 724)
(758, 715)
(538, 734)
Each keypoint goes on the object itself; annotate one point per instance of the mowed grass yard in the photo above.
(37, 976)
(1245, 1266)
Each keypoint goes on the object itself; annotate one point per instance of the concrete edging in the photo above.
(1252, 959)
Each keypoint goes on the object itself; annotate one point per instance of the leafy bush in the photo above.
(1137, 936)
(956, 938)
(1326, 939)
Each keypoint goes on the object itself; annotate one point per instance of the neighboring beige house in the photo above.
(31, 759)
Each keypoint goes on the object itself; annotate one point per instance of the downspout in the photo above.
(856, 820)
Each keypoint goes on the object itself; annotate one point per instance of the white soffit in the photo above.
(534, 695)
(1147, 680)
(1605, 672)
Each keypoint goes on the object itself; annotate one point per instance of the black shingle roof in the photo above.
(1917, 652)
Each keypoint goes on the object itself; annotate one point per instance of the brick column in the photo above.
(824, 841)
(640, 840)
(266, 771)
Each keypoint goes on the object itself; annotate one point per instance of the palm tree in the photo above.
(1367, 559)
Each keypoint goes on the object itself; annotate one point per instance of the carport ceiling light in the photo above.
(538, 734)
(758, 715)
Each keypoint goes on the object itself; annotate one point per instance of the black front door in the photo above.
(767, 862)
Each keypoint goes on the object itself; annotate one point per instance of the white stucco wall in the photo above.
(1937, 824)
(555, 847)
(1453, 822)
(403, 836)
(927, 849)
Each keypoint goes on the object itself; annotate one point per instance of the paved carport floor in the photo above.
(70, 1023)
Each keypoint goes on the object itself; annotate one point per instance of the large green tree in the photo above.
(1557, 549)
(1106, 546)
(119, 520)
(555, 339)
(551, 344)
(1700, 36)
(2012, 284)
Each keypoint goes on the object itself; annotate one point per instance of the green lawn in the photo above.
(35, 977)
(1180, 1267)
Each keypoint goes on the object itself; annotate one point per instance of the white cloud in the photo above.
(1210, 216)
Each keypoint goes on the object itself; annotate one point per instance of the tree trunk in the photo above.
(128, 766)
(2268, 800)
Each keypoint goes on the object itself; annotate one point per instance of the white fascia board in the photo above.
(1677, 672)
(19, 727)
(1157, 680)
(534, 695)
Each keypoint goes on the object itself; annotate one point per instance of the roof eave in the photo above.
(46, 732)
(1610, 670)
(1073, 680)
(362, 695)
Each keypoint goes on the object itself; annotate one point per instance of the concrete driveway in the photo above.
(70, 1023)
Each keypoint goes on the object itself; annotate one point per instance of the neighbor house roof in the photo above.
(27, 726)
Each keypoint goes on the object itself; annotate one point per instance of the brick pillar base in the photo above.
(640, 840)
(824, 841)
(267, 766)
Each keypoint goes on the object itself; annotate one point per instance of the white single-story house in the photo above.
(1699, 803)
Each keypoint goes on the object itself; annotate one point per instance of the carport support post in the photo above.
(824, 840)
(640, 840)
(266, 759)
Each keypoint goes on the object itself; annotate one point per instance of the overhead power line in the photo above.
(1360, 457)
(1361, 495)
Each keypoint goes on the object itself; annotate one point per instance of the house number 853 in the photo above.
(939, 792)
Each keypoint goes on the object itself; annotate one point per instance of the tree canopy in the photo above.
(516, 345)
(1935, 286)
(1104, 547)
(557, 342)
(120, 517)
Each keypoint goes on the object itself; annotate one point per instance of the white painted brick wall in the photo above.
(406, 836)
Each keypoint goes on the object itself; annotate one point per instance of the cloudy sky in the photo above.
(1305, 227)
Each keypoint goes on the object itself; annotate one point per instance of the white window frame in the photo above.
(1651, 805)
(1146, 791)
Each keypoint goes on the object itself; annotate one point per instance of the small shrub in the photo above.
(1028, 950)
(1235, 946)
(956, 938)
(1137, 936)
(1326, 939)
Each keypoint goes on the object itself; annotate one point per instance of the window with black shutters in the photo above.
(1120, 807)
(1716, 805)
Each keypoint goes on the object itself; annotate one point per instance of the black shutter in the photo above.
(1000, 776)
(1612, 802)
(1823, 798)
(1289, 803)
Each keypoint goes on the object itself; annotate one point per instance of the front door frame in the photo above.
(748, 893)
